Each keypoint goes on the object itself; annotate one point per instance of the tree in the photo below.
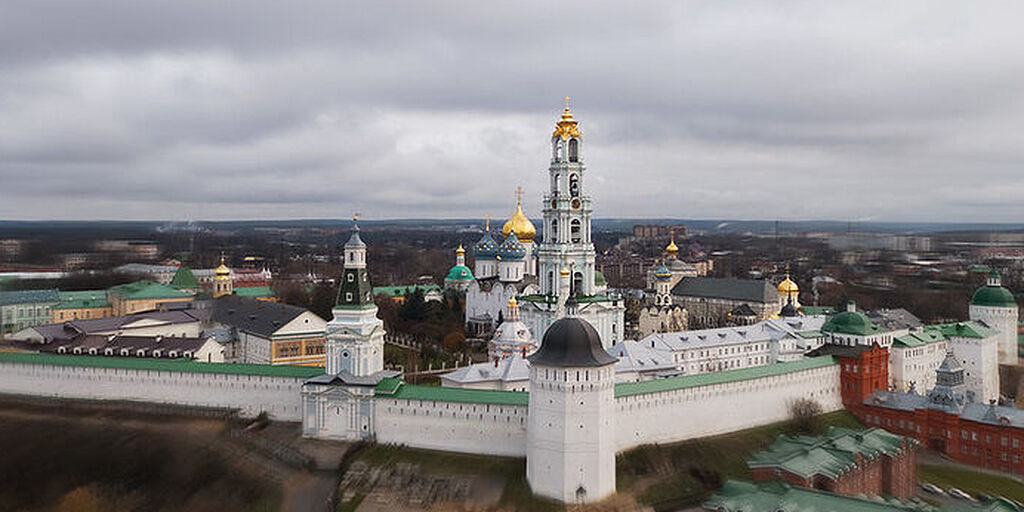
(803, 416)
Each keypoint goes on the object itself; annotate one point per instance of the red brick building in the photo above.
(870, 462)
(984, 435)
(862, 370)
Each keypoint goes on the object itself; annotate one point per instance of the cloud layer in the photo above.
(770, 110)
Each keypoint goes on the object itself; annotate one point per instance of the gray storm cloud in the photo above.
(239, 110)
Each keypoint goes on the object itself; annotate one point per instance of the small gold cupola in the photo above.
(567, 126)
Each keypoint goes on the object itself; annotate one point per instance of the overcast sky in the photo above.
(260, 109)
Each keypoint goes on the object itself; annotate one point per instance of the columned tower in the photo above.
(567, 212)
(355, 336)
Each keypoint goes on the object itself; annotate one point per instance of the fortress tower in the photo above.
(570, 437)
(995, 306)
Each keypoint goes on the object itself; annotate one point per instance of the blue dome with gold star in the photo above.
(512, 248)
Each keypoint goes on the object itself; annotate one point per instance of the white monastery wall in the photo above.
(251, 394)
(487, 429)
(700, 411)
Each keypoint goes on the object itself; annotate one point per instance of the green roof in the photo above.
(817, 310)
(184, 279)
(395, 388)
(994, 296)
(969, 329)
(401, 290)
(831, 454)
(707, 379)
(254, 291)
(919, 338)
(851, 322)
(166, 365)
(459, 273)
(83, 299)
(147, 290)
(775, 496)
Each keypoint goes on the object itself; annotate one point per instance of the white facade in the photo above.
(712, 409)
(914, 365)
(250, 394)
(1003, 320)
(570, 440)
(980, 359)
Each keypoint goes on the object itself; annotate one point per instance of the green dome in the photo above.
(459, 273)
(995, 296)
(850, 322)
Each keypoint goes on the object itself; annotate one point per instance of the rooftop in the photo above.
(28, 297)
(831, 454)
(727, 288)
(141, 290)
(395, 388)
(175, 365)
(253, 316)
(735, 496)
(706, 379)
(83, 299)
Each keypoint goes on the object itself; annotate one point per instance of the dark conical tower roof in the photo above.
(571, 342)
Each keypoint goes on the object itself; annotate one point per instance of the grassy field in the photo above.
(516, 495)
(970, 481)
(97, 463)
(680, 474)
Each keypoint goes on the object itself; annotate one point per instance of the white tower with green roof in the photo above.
(355, 336)
(995, 306)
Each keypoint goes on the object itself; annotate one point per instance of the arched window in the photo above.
(574, 231)
(554, 231)
(557, 156)
(574, 185)
(578, 282)
(574, 150)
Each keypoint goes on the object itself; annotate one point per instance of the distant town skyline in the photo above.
(866, 111)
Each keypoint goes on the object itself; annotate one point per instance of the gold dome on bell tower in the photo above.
(519, 222)
(567, 126)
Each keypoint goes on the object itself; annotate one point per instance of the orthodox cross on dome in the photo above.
(519, 195)
(487, 223)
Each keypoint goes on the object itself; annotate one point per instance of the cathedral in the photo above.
(543, 275)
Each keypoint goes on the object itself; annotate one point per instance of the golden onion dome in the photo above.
(672, 248)
(460, 251)
(567, 126)
(222, 269)
(520, 224)
(788, 286)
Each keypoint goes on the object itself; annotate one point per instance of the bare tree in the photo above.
(803, 416)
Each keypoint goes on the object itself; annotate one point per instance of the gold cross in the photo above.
(487, 226)
(519, 195)
(355, 216)
(567, 100)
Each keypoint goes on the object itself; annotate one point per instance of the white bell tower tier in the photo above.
(570, 434)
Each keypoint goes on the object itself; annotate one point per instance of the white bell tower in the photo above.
(567, 212)
(355, 336)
